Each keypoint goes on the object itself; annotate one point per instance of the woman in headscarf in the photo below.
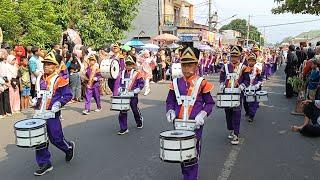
(19, 52)
(14, 84)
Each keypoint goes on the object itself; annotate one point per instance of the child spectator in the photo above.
(25, 84)
(313, 80)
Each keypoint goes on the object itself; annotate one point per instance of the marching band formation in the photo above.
(188, 104)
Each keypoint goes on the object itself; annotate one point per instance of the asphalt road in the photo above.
(268, 149)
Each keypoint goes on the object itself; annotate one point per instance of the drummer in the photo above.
(136, 84)
(114, 84)
(93, 76)
(201, 109)
(61, 95)
(252, 80)
(233, 115)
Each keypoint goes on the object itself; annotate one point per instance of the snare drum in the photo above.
(189, 125)
(176, 70)
(262, 96)
(228, 100)
(120, 103)
(30, 133)
(177, 146)
(109, 68)
(250, 96)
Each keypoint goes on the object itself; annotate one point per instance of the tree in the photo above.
(41, 22)
(241, 26)
(297, 6)
(99, 22)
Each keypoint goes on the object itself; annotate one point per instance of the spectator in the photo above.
(14, 84)
(36, 68)
(75, 80)
(25, 84)
(19, 52)
(29, 52)
(311, 125)
(313, 80)
(290, 70)
(5, 108)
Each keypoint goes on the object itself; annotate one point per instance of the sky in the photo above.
(261, 12)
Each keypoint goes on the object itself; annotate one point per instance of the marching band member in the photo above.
(260, 59)
(233, 115)
(93, 87)
(199, 111)
(61, 95)
(114, 84)
(136, 84)
(251, 78)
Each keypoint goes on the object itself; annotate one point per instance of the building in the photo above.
(146, 24)
(173, 17)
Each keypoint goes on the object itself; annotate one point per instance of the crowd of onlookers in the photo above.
(303, 64)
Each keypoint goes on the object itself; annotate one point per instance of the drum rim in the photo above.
(33, 145)
(29, 128)
(184, 149)
(171, 161)
(229, 94)
(180, 138)
(31, 136)
(121, 97)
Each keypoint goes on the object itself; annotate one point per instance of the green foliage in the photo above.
(241, 26)
(296, 83)
(297, 6)
(41, 22)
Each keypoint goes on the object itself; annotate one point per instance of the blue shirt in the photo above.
(313, 79)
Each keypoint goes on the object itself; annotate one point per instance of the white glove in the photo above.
(95, 79)
(171, 115)
(222, 86)
(242, 87)
(257, 86)
(56, 107)
(33, 102)
(200, 118)
(136, 91)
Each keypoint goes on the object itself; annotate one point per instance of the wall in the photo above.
(146, 20)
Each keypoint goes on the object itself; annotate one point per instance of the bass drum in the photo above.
(109, 68)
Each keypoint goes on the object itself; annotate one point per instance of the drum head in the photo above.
(177, 134)
(105, 62)
(249, 93)
(115, 69)
(262, 92)
(29, 123)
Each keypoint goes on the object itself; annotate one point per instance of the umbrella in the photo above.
(173, 46)
(204, 47)
(150, 47)
(166, 37)
(134, 42)
(126, 48)
(74, 36)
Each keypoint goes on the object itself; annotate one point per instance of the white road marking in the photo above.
(230, 161)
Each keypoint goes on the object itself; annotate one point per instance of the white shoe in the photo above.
(231, 135)
(97, 110)
(85, 112)
(235, 140)
(147, 92)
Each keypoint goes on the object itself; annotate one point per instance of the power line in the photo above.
(282, 24)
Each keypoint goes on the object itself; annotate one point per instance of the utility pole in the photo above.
(159, 18)
(210, 15)
(248, 31)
